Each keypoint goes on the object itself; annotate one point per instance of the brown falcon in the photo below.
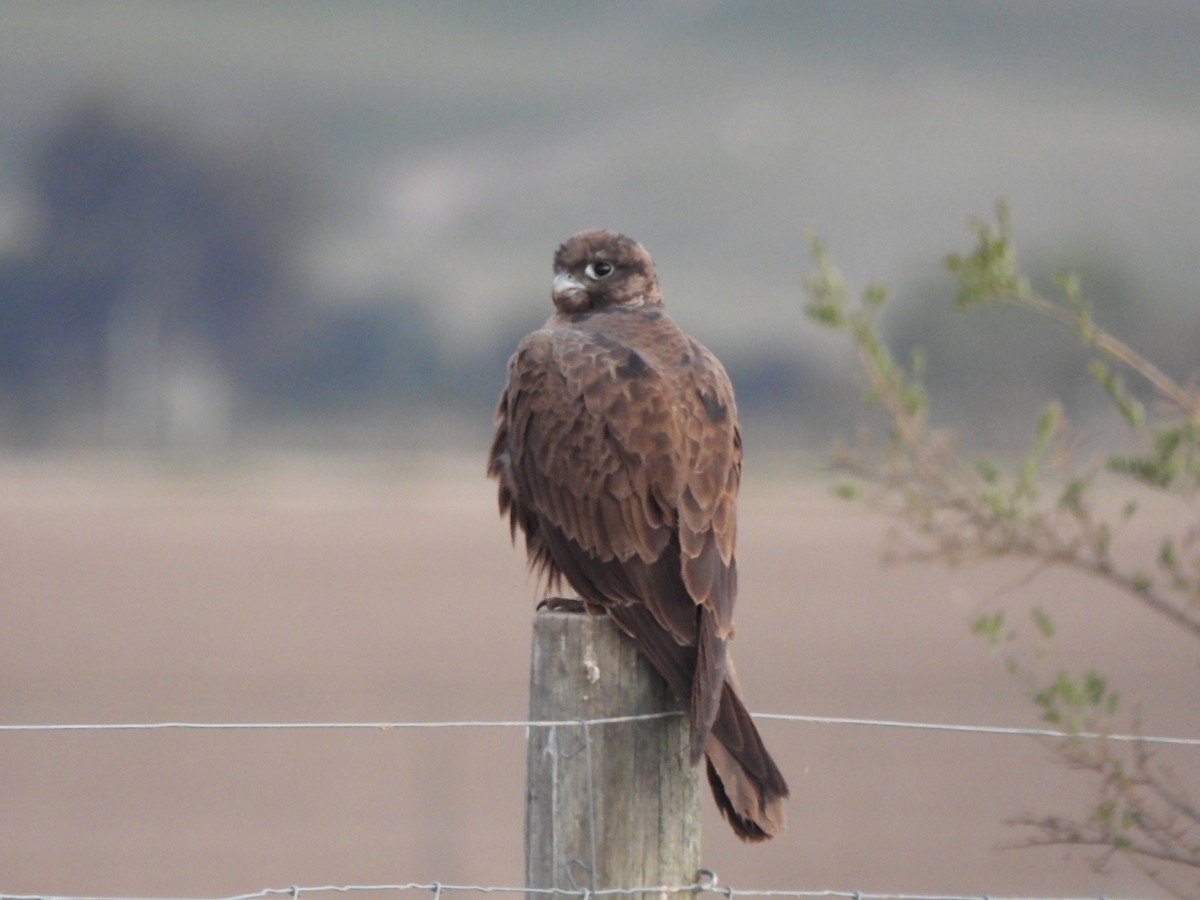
(619, 456)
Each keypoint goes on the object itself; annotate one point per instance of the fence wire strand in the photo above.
(1013, 731)
(590, 892)
(437, 889)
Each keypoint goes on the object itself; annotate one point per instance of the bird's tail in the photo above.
(746, 783)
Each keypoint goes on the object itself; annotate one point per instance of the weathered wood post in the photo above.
(607, 805)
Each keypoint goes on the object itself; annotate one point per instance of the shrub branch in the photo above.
(1044, 511)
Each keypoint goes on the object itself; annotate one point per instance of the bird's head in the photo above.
(595, 269)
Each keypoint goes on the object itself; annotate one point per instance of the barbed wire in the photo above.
(1014, 731)
(707, 885)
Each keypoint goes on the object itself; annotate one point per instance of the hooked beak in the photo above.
(565, 287)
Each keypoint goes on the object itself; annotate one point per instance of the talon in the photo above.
(563, 604)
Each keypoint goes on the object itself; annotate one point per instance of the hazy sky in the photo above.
(456, 144)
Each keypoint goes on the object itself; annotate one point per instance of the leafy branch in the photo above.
(1045, 510)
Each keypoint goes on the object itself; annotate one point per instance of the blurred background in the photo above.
(223, 224)
(262, 264)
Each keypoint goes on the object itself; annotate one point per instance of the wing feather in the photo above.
(578, 457)
(626, 484)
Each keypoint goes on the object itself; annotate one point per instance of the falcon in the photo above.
(618, 455)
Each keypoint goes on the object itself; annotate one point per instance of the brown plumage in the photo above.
(618, 455)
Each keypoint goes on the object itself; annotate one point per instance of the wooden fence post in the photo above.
(607, 805)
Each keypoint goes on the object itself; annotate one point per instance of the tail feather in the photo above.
(708, 685)
(747, 786)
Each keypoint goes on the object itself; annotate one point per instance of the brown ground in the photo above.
(364, 594)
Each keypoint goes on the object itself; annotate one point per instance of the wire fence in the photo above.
(437, 890)
(707, 880)
(1012, 731)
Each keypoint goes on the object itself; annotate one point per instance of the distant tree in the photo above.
(1050, 512)
(362, 356)
(158, 281)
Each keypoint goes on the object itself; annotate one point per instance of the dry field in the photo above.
(348, 593)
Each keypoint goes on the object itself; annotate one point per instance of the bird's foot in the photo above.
(563, 604)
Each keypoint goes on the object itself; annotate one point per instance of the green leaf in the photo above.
(1048, 426)
(916, 362)
(1072, 290)
(1095, 689)
(1130, 409)
(875, 296)
(846, 491)
(1044, 623)
(1027, 481)
(1167, 556)
(990, 627)
(826, 289)
(1076, 701)
(1071, 499)
(989, 272)
(988, 470)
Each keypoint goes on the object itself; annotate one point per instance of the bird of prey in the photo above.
(618, 455)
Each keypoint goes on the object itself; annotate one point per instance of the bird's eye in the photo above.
(599, 270)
